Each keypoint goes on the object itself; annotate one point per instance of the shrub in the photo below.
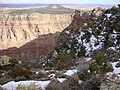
(61, 65)
(100, 65)
(19, 78)
(61, 59)
(82, 51)
(5, 60)
(71, 84)
(92, 84)
(19, 71)
(84, 75)
(30, 87)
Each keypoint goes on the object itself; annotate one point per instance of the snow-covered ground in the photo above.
(12, 85)
(40, 84)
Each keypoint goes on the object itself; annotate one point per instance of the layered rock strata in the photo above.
(27, 36)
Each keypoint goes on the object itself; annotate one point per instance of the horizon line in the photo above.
(60, 3)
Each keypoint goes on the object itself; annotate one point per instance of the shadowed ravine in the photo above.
(32, 50)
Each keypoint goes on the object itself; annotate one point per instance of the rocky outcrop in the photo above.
(99, 30)
(77, 23)
(96, 12)
(81, 20)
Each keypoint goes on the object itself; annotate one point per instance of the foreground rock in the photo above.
(1, 88)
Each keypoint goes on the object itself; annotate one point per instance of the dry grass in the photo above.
(30, 87)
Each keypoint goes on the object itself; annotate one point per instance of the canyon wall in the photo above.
(28, 36)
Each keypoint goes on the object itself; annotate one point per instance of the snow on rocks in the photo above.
(80, 81)
(61, 79)
(52, 76)
(116, 70)
(115, 75)
(88, 59)
(67, 32)
(70, 72)
(108, 15)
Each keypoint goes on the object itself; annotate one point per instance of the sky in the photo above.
(63, 1)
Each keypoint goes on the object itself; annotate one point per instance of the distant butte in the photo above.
(55, 6)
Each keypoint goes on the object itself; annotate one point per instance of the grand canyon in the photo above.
(60, 47)
(29, 33)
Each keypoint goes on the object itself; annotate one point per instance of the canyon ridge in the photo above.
(29, 33)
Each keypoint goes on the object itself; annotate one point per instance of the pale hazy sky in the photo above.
(63, 1)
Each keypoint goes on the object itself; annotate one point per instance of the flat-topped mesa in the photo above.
(55, 6)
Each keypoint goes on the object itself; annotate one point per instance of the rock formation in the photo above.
(28, 34)
(77, 23)
(17, 30)
(25, 36)
(99, 30)
(81, 20)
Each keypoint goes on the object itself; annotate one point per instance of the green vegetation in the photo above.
(97, 70)
(100, 64)
(5, 60)
(91, 84)
(71, 84)
(62, 58)
(84, 75)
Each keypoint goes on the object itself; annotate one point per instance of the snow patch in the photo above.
(61, 79)
(68, 32)
(79, 81)
(70, 72)
(108, 15)
(43, 84)
(116, 70)
(13, 85)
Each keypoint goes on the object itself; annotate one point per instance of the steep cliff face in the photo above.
(17, 30)
(30, 34)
